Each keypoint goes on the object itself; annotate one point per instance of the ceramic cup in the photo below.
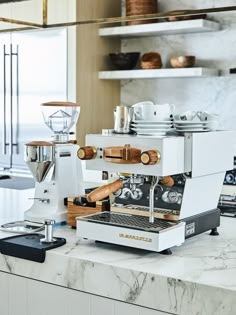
(138, 108)
(153, 112)
(205, 116)
(188, 115)
(210, 118)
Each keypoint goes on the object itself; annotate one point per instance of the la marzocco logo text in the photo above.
(136, 238)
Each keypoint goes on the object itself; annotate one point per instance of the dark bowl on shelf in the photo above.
(124, 61)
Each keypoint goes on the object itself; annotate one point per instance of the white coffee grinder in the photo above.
(54, 165)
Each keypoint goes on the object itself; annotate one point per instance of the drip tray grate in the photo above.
(129, 221)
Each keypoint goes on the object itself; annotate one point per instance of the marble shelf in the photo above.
(165, 28)
(158, 73)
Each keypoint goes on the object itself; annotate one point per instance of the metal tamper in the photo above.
(48, 232)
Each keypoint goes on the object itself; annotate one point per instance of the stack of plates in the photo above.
(151, 127)
(191, 126)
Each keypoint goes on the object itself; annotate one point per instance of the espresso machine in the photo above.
(227, 201)
(54, 165)
(165, 190)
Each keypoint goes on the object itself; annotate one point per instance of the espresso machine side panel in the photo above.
(212, 152)
(171, 150)
(201, 194)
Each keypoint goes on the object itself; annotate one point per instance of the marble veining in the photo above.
(198, 278)
(212, 49)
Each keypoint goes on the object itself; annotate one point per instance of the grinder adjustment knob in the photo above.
(87, 153)
(150, 157)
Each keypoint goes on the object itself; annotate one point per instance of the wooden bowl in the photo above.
(182, 61)
(140, 7)
(151, 60)
(124, 61)
(182, 18)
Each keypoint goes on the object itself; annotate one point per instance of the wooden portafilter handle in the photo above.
(104, 191)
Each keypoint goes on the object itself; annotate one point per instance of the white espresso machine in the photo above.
(55, 167)
(166, 190)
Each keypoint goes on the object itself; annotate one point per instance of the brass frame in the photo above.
(106, 21)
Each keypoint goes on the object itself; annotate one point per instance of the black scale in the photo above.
(227, 204)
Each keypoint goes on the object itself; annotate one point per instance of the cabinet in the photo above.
(21, 296)
(30, 11)
(59, 11)
(155, 29)
(86, 52)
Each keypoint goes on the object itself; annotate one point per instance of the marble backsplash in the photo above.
(212, 49)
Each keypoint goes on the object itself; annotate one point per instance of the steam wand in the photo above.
(154, 183)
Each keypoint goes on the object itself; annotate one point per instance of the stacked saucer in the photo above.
(195, 122)
(151, 127)
(190, 126)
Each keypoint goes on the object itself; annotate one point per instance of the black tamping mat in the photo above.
(28, 246)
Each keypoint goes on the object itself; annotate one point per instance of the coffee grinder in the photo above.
(55, 167)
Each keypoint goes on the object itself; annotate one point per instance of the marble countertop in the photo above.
(199, 278)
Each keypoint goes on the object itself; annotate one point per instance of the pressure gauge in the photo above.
(173, 196)
(229, 178)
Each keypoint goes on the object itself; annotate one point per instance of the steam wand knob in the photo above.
(48, 224)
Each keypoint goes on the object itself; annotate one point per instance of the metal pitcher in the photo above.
(122, 118)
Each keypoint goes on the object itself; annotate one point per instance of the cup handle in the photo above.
(172, 108)
(137, 113)
(199, 115)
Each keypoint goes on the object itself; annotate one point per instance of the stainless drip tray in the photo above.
(129, 221)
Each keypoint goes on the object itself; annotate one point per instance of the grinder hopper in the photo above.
(60, 117)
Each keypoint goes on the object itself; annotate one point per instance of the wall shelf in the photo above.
(158, 73)
(165, 28)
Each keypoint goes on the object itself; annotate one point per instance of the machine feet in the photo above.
(214, 232)
(166, 252)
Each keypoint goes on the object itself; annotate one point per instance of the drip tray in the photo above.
(129, 220)
(28, 246)
(17, 183)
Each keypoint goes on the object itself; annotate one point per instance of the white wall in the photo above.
(212, 49)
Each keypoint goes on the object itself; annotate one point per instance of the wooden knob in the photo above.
(87, 153)
(150, 157)
(104, 191)
(167, 181)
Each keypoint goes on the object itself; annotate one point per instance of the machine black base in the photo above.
(166, 252)
(28, 246)
(203, 222)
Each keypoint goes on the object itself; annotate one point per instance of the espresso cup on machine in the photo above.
(139, 108)
(162, 111)
(153, 112)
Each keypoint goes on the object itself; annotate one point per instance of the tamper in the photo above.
(48, 232)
